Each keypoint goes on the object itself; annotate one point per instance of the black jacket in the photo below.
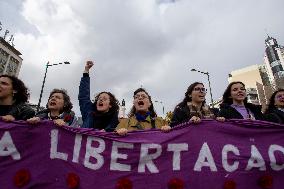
(229, 112)
(183, 114)
(277, 116)
(21, 111)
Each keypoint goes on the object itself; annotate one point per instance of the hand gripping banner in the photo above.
(236, 154)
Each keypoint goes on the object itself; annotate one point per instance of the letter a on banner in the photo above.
(205, 159)
(7, 147)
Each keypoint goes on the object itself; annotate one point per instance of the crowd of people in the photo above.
(102, 114)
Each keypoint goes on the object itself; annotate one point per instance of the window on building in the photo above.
(3, 60)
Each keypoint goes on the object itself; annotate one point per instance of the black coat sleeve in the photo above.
(179, 116)
(22, 112)
(223, 113)
(113, 124)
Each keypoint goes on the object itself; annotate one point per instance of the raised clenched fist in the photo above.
(88, 65)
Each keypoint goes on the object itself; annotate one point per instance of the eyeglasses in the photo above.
(279, 96)
(103, 99)
(140, 96)
(202, 89)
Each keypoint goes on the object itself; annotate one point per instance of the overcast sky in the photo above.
(153, 43)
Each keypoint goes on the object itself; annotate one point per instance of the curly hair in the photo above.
(113, 102)
(271, 103)
(187, 94)
(22, 93)
(151, 108)
(67, 107)
(227, 99)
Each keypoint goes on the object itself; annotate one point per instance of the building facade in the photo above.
(274, 61)
(257, 81)
(262, 80)
(10, 60)
(255, 78)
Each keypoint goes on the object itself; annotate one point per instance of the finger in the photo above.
(90, 63)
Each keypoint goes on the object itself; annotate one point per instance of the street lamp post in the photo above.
(208, 77)
(162, 106)
(43, 82)
(122, 109)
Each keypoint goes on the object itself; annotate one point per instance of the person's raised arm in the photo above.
(85, 102)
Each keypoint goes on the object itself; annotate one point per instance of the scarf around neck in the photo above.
(145, 117)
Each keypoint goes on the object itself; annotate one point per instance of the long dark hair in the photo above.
(271, 105)
(187, 97)
(113, 102)
(67, 107)
(227, 99)
(22, 95)
(151, 108)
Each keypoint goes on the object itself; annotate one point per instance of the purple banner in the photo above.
(238, 154)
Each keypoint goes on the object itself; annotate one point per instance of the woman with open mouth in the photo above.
(275, 108)
(193, 107)
(142, 116)
(103, 113)
(58, 109)
(235, 106)
(13, 99)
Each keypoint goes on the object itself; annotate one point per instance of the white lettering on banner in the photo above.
(273, 163)
(146, 158)
(204, 154)
(7, 147)
(229, 148)
(94, 152)
(77, 148)
(255, 160)
(95, 146)
(54, 154)
(114, 165)
(177, 149)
